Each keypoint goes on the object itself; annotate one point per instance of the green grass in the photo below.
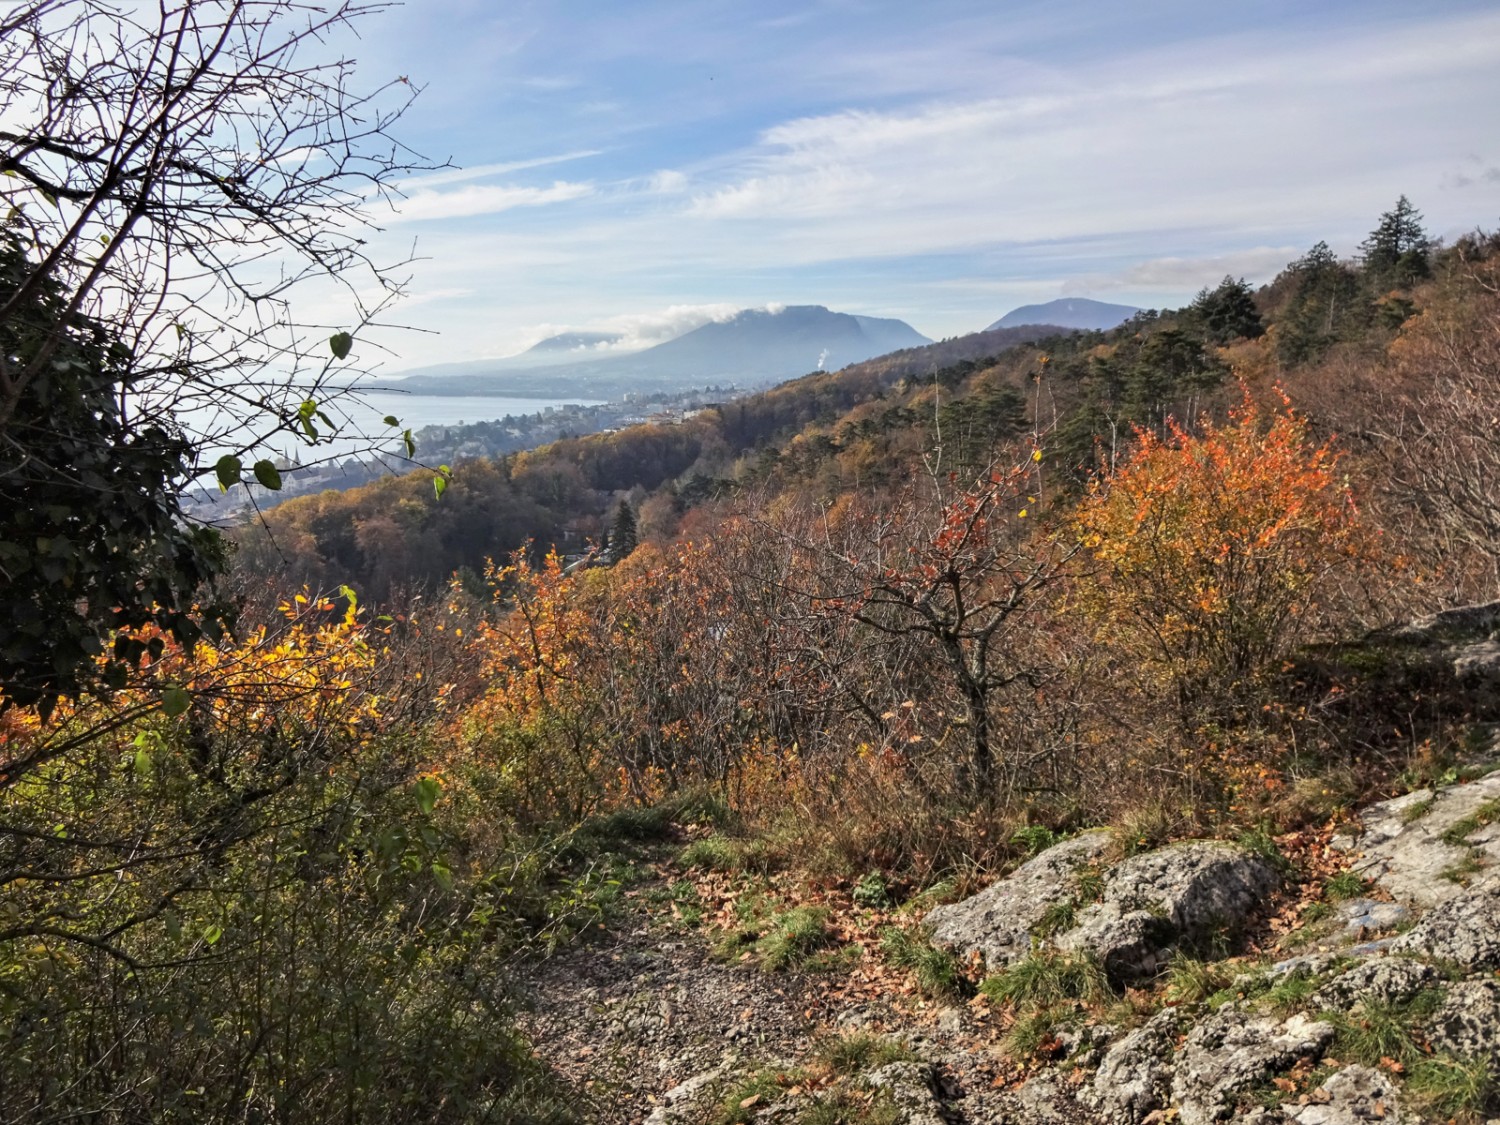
(1465, 869)
(859, 1052)
(1047, 978)
(1089, 881)
(1344, 886)
(1190, 981)
(1058, 918)
(794, 937)
(842, 1106)
(1258, 841)
(945, 891)
(713, 853)
(1035, 1033)
(1379, 1031)
(1454, 1088)
(936, 970)
(1034, 838)
(760, 1089)
(1417, 811)
(1485, 814)
(780, 939)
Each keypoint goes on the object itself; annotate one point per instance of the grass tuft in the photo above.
(1047, 978)
(936, 970)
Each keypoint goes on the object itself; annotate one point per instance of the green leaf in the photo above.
(268, 476)
(411, 445)
(175, 700)
(212, 934)
(426, 792)
(228, 471)
(440, 484)
(443, 875)
(174, 925)
(392, 420)
(340, 343)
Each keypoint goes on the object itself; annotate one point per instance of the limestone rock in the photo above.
(1356, 1095)
(1383, 980)
(1468, 1023)
(681, 1102)
(1359, 917)
(1231, 1050)
(1465, 929)
(1135, 1076)
(910, 1085)
(1403, 847)
(1181, 895)
(998, 921)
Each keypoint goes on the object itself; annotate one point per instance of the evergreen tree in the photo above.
(622, 533)
(1326, 306)
(1395, 253)
(1228, 312)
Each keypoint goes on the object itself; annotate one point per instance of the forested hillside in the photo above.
(862, 638)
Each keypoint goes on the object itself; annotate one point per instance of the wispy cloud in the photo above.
(484, 171)
(482, 199)
(1176, 275)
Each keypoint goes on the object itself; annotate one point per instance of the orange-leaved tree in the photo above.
(1219, 550)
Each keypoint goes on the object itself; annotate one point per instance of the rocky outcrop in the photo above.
(1380, 980)
(1468, 1023)
(1151, 905)
(1000, 923)
(1464, 930)
(1134, 1079)
(1418, 846)
(1356, 1095)
(1231, 1050)
(910, 1085)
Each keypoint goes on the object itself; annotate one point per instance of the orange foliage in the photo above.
(1219, 551)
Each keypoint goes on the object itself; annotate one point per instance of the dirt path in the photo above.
(642, 1008)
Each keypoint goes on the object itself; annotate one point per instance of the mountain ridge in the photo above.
(754, 347)
(1069, 312)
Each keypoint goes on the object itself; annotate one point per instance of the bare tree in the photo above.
(170, 173)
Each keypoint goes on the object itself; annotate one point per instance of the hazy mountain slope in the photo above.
(1069, 312)
(755, 347)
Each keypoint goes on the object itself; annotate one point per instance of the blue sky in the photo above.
(645, 166)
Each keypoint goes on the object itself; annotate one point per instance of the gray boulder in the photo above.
(1134, 1079)
(1410, 847)
(1356, 1095)
(910, 1085)
(1187, 894)
(1464, 929)
(1231, 1050)
(998, 922)
(1381, 980)
(1468, 1023)
(1359, 917)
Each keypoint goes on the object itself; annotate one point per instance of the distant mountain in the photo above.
(1068, 312)
(572, 342)
(753, 348)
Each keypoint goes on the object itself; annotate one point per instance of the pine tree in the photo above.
(1326, 307)
(1395, 253)
(622, 533)
(1228, 312)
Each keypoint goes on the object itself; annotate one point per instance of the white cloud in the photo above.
(1178, 275)
(668, 181)
(644, 330)
(483, 199)
(481, 171)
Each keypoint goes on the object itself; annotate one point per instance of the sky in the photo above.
(647, 165)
